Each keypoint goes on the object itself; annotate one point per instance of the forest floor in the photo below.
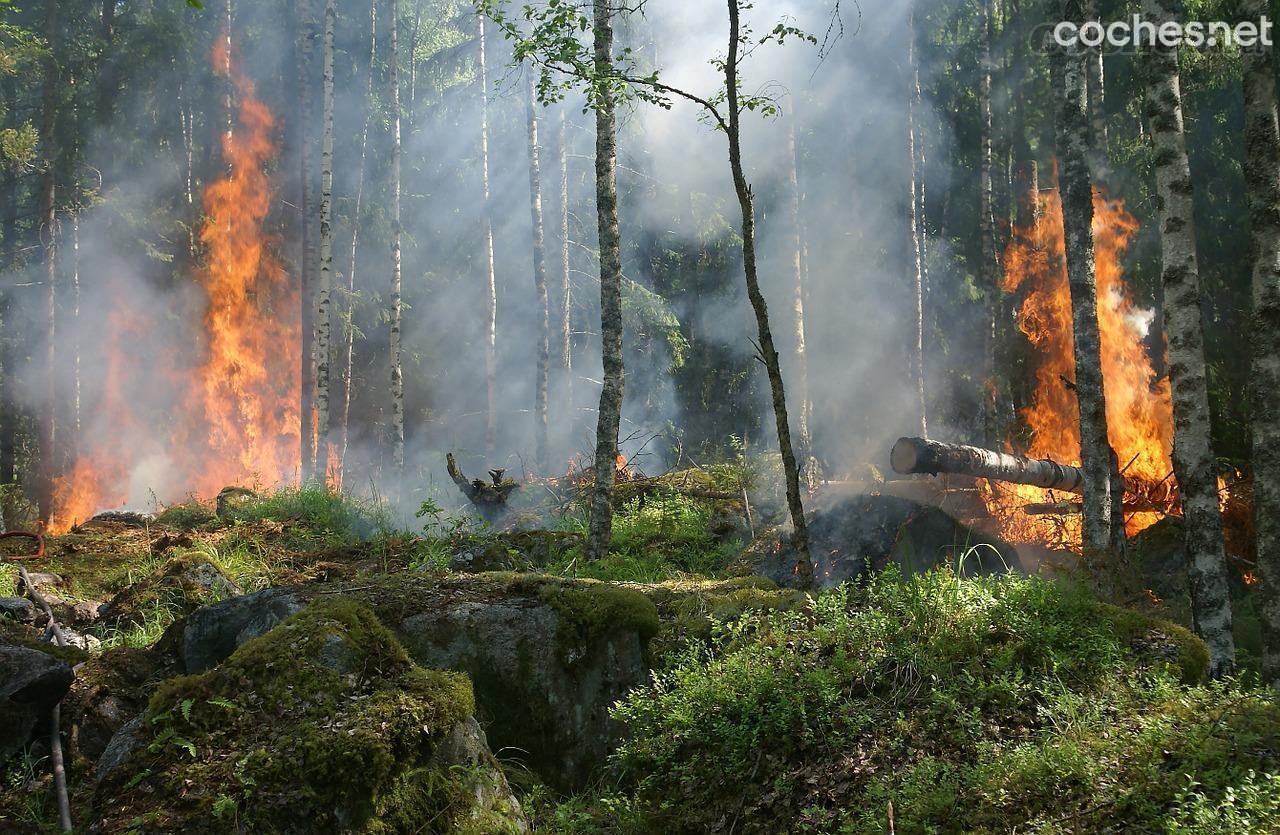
(924, 703)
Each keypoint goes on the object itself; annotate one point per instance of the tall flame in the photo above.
(237, 418)
(1139, 410)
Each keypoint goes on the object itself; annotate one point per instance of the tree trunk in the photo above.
(1262, 183)
(916, 352)
(323, 316)
(1193, 461)
(8, 405)
(543, 348)
(1097, 111)
(349, 335)
(988, 266)
(76, 344)
(491, 286)
(609, 415)
(566, 285)
(49, 238)
(1072, 127)
(397, 311)
(106, 63)
(796, 266)
(919, 455)
(310, 254)
(800, 533)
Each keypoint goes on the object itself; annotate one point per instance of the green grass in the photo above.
(665, 536)
(317, 513)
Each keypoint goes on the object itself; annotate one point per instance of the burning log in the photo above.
(919, 455)
(489, 497)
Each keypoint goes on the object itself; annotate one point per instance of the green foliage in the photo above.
(1252, 806)
(660, 536)
(982, 705)
(318, 513)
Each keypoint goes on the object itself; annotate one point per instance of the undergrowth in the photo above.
(984, 705)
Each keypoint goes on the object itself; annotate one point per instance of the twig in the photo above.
(55, 717)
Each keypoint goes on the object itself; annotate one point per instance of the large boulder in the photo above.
(324, 724)
(31, 683)
(855, 535)
(547, 658)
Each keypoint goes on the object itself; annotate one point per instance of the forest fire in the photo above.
(1139, 411)
(236, 418)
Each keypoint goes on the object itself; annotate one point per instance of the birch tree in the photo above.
(397, 307)
(1193, 460)
(323, 316)
(491, 284)
(565, 328)
(795, 265)
(310, 251)
(349, 329)
(988, 264)
(916, 351)
(543, 347)
(1262, 183)
(1074, 183)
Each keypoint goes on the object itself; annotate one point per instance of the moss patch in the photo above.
(319, 720)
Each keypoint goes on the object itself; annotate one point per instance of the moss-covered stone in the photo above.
(1158, 640)
(184, 583)
(688, 609)
(322, 724)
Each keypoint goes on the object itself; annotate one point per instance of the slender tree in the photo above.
(397, 307)
(491, 283)
(1262, 182)
(1193, 459)
(1072, 127)
(543, 347)
(566, 285)
(795, 252)
(323, 315)
(49, 238)
(310, 252)
(988, 264)
(609, 414)
(916, 351)
(349, 329)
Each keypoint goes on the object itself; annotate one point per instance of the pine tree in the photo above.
(543, 312)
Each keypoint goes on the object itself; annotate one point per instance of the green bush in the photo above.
(319, 512)
(985, 705)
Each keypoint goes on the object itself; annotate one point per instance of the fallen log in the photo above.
(920, 455)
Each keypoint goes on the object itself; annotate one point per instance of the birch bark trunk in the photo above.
(323, 313)
(543, 347)
(609, 415)
(397, 308)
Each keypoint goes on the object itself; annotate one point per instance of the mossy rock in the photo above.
(323, 724)
(182, 585)
(1156, 640)
(688, 610)
(548, 657)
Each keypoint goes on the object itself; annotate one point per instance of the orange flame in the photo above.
(1139, 410)
(238, 418)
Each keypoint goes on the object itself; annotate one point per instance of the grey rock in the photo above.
(40, 579)
(467, 747)
(31, 683)
(122, 744)
(548, 709)
(18, 608)
(855, 535)
(85, 612)
(211, 633)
